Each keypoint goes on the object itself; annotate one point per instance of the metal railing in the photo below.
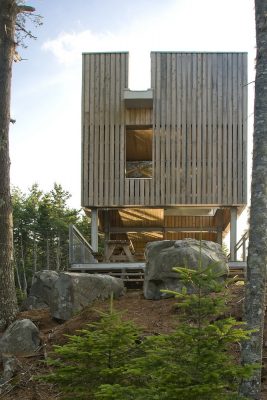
(80, 251)
(241, 248)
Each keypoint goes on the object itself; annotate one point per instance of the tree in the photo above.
(257, 252)
(95, 357)
(41, 230)
(9, 10)
(195, 361)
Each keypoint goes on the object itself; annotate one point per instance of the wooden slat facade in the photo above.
(199, 131)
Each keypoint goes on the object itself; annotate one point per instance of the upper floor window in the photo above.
(139, 152)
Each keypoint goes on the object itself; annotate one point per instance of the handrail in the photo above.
(83, 248)
(242, 243)
(78, 233)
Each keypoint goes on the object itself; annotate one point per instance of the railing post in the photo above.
(233, 233)
(94, 229)
(71, 244)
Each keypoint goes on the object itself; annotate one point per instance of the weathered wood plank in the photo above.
(101, 130)
(167, 175)
(235, 128)
(224, 132)
(230, 129)
(244, 127)
(163, 113)
(194, 171)
(157, 100)
(219, 129)
(112, 150)
(184, 127)
(173, 130)
(199, 131)
(209, 131)
(214, 138)
(188, 161)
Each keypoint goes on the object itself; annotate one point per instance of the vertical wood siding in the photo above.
(199, 130)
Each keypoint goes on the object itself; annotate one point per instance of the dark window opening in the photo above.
(139, 152)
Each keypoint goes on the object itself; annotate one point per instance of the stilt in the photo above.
(107, 233)
(94, 229)
(233, 233)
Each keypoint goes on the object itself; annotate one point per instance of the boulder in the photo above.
(74, 291)
(10, 367)
(20, 339)
(40, 292)
(163, 256)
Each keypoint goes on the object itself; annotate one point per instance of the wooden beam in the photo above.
(133, 229)
(233, 233)
(94, 229)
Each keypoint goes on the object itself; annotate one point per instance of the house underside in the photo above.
(139, 225)
(169, 162)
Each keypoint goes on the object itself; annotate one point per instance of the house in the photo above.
(169, 162)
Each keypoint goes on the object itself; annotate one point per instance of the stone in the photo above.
(163, 256)
(40, 292)
(10, 366)
(20, 339)
(74, 291)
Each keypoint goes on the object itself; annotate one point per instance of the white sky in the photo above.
(45, 141)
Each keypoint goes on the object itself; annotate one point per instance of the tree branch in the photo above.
(25, 9)
(28, 33)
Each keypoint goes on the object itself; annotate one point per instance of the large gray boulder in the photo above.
(74, 291)
(163, 256)
(20, 339)
(40, 293)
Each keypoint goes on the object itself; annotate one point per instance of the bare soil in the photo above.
(154, 317)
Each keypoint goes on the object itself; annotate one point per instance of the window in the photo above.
(139, 152)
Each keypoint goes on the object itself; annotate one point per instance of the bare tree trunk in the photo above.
(17, 272)
(8, 301)
(47, 254)
(58, 254)
(25, 284)
(257, 252)
(34, 257)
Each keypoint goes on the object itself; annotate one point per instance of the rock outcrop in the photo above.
(74, 291)
(41, 289)
(164, 255)
(20, 339)
(67, 293)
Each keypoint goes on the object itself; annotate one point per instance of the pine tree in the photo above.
(194, 362)
(95, 356)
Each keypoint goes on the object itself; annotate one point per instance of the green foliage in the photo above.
(95, 357)
(194, 362)
(41, 223)
(198, 361)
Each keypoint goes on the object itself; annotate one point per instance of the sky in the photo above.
(45, 141)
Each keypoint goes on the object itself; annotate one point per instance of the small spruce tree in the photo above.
(195, 361)
(95, 356)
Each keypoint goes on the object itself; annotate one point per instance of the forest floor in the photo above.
(154, 317)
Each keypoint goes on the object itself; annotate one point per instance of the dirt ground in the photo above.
(153, 316)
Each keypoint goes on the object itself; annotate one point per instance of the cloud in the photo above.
(67, 47)
(183, 26)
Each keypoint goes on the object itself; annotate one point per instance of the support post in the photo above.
(233, 233)
(219, 236)
(107, 233)
(94, 229)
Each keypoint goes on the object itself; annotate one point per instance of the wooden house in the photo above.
(169, 162)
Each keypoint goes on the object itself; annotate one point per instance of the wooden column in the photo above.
(107, 233)
(94, 229)
(219, 236)
(233, 233)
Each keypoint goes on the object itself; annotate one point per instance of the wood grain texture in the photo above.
(199, 122)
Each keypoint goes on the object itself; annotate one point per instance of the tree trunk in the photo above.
(257, 252)
(8, 301)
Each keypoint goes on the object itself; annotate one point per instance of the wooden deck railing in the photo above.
(80, 251)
